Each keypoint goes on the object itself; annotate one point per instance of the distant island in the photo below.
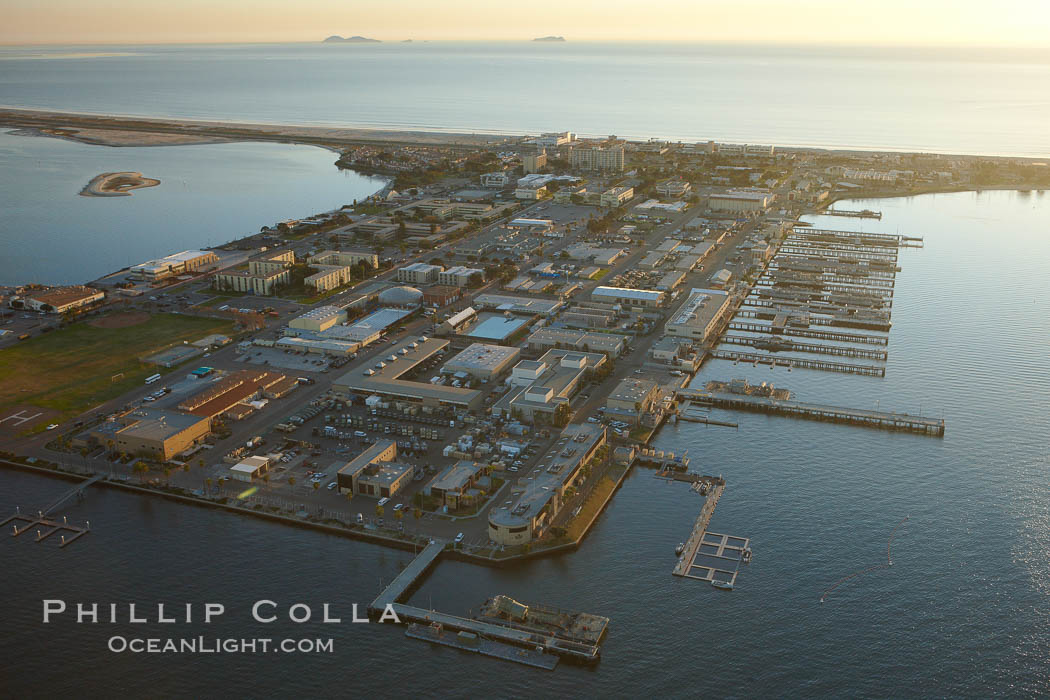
(550, 38)
(116, 184)
(336, 39)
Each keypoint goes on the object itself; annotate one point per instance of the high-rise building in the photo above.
(608, 158)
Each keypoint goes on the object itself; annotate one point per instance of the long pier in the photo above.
(696, 538)
(792, 346)
(77, 492)
(399, 589)
(809, 333)
(854, 214)
(884, 420)
(801, 362)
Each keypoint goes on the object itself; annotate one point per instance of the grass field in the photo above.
(71, 370)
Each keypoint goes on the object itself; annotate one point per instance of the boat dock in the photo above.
(884, 420)
(815, 348)
(46, 527)
(816, 334)
(715, 559)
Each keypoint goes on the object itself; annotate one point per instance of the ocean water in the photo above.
(944, 100)
(962, 612)
(209, 195)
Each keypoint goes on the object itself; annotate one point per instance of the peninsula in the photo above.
(549, 38)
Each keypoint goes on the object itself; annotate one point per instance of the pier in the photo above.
(809, 333)
(884, 420)
(787, 345)
(854, 214)
(585, 649)
(714, 490)
(45, 527)
(801, 362)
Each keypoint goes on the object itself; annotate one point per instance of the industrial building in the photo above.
(518, 305)
(368, 329)
(740, 201)
(252, 467)
(319, 319)
(373, 472)
(419, 273)
(232, 392)
(459, 320)
(152, 433)
(59, 300)
(581, 316)
(454, 486)
(459, 276)
(441, 295)
(528, 517)
(605, 158)
(631, 398)
(483, 361)
(540, 386)
(186, 262)
(655, 209)
(608, 343)
(699, 316)
(495, 327)
(383, 378)
(628, 296)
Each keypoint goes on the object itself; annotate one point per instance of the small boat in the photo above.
(746, 556)
(679, 549)
(722, 585)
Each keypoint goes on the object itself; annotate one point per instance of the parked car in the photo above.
(459, 538)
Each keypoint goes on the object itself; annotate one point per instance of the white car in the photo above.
(459, 538)
(383, 501)
(331, 486)
(52, 426)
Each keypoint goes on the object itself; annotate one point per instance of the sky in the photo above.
(904, 22)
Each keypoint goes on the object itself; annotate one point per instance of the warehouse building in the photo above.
(455, 485)
(152, 433)
(441, 295)
(740, 201)
(631, 398)
(699, 317)
(518, 305)
(482, 361)
(528, 517)
(383, 378)
(548, 338)
(252, 467)
(374, 472)
(628, 296)
(186, 262)
(368, 329)
(319, 319)
(59, 300)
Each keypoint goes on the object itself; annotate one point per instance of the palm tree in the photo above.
(291, 481)
(317, 485)
(207, 482)
(379, 511)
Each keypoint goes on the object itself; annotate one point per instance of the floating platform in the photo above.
(466, 641)
(717, 559)
(801, 362)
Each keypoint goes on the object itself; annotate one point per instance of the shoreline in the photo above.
(119, 184)
(213, 131)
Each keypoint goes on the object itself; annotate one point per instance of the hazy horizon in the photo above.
(934, 23)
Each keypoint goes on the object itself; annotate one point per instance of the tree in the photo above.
(398, 514)
(379, 511)
(317, 485)
(417, 513)
(291, 481)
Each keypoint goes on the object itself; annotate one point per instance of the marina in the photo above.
(708, 556)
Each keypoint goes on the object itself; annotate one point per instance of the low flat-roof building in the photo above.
(541, 386)
(518, 305)
(440, 295)
(741, 201)
(452, 486)
(615, 196)
(328, 277)
(345, 258)
(674, 187)
(699, 316)
(187, 261)
(608, 343)
(383, 378)
(374, 472)
(628, 296)
(231, 392)
(59, 300)
(496, 327)
(368, 329)
(319, 319)
(459, 320)
(483, 361)
(152, 432)
(542, 498)
(631, 398)
(251, 467)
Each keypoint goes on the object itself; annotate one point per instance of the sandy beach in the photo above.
(141, 131)
(117, 184)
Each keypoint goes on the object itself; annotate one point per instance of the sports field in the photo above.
(73, 369)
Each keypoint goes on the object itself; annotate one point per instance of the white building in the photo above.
(419, 273)
(496, 180)
(458, 276)
(609, 158)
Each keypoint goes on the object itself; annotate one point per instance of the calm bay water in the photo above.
(960, 101)
(209, 195)
(963, 611)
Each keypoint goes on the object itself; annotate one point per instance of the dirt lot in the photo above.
(120, 320)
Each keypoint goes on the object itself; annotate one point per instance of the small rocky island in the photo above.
(336, 39)
(116, 184)
(549, 38)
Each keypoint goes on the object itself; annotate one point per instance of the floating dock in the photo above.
(802, 362)
(715, 559)
(45, 527)
(884, 420)
(863, 214)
